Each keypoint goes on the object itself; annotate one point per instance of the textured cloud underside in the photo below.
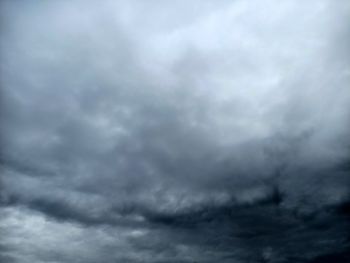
(187, 131)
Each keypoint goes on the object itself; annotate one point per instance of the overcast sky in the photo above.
(174, 131)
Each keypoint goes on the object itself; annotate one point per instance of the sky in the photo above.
(174, 131)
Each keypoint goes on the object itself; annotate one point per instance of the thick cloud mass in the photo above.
(174, 131)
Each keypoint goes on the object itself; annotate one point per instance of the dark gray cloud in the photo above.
(166, 131)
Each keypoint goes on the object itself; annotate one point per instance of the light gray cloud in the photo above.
(116, 113)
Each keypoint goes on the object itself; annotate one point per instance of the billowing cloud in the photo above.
(219, 128)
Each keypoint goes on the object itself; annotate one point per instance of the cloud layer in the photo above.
(132, 125)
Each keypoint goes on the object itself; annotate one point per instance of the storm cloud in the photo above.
(174, 131)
